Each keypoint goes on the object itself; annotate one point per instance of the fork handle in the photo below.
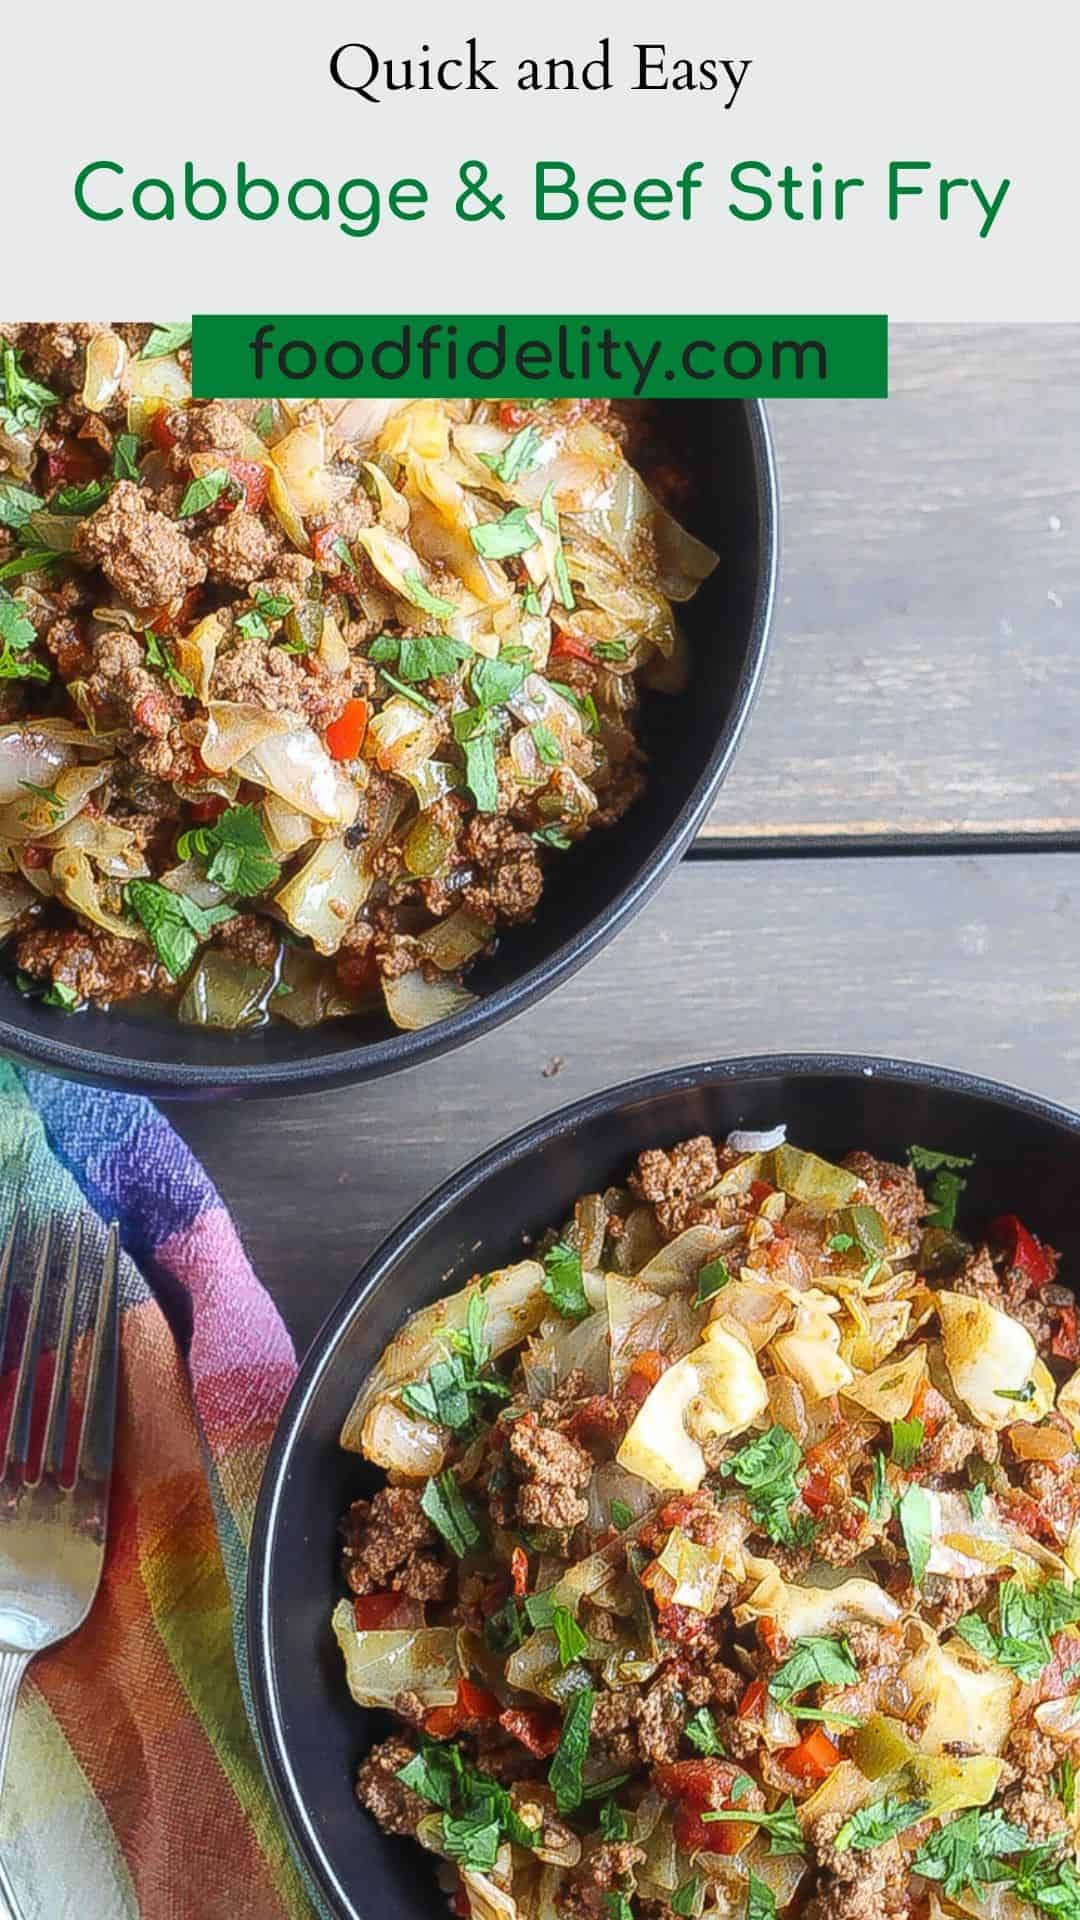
(12, 1668)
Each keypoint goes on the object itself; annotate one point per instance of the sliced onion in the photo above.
(322, 899)
(234, 728)
(78, 887)
(744, 1141)
(413, 1002)
(678, 1264)
(379, 1666)
(285, 511)
(393, 507)
(280, 751)
(154, 386)
(300, 459)
(106, 361)
(113, 849)
(32, 816)
(225, 992)
(360, 422)
(402, 736)
(452, 942)
(196, 652)
(287, 830)
(31, 754)
(310, 992)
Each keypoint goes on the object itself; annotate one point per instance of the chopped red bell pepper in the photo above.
(253, 480)
(372, 1610)
(472, 1703)
(697, 1787)
(815, 1492)
(513, 415)
(571, 646)
(1022, 1252)
(813, 1758)
(459, 1901)
(769, 1634)
(760, 1190)
(538, 1732)
(160, 431)
(644, 1373)
(519, 1572)
(753, 1701)
(345, 735)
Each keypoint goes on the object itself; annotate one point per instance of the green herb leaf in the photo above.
(713, 1276)
(500, 539)
(80, 500)
(203, 492)
(621, 1516)
(165, 338)
(125, 460)
(584, 703)
(552, 837)
(33, 561)
(430, 656)
(1063, 1783)
(450, 1514)
(253, 626)
(236, 851)
(560, 574)
(503, 1630)
(816, 1660)
(618, 1906)
(930, 1160)
(480, 775)
(472, 1840)
(422, 597)
(264, 420)
(702, 1733)
(967, 1851)
(782, 1826)
(613, 1821)
(946, 1186)
(16, 505)
(23, 402)
(879, 1505)
(519, 456)
(872, 1826)
(409, 693)
(158, 656)
(765, 1470)
(494, 682)
(841, 1243)
(546, 744)
(916, 1525)
(976, 1498)
(1027, 1623)
(572, 1642)
(175, 924)
(434, 1773)
(684, 1901)
(1023, 1394)
(613, 650)
(563, 1281)
(907, 1438)
(760, 1899)
(564, 1774)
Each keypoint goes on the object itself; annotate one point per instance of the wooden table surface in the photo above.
(894, 864)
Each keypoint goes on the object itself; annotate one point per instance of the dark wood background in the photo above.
(894, 864)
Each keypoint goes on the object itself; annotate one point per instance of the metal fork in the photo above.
(53, 1513)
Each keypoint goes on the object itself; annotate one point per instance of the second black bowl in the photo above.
(590, 894)
(1027, 1160)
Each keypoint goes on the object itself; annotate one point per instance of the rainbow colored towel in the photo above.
(134, 1787)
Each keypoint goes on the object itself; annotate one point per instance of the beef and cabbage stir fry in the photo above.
(298, 702)
(727, 1557)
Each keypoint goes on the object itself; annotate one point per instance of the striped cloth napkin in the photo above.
(134, 1787)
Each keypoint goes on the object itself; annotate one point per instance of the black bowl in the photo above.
(590, 894)
(311, 1735)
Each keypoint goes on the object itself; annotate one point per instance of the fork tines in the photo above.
(93, 1454)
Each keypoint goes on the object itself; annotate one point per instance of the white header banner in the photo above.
(835, 157)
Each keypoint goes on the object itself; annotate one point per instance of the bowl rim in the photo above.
(300, 1824)
(397, 1052)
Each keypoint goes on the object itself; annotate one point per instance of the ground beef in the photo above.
(128, 692)
(948, 1600)
(240, 549)
(603, 1868)
(257, 674)
(97, 965)
(1029, 1798)
(395, 1806)
(1011, 1293)
(660, 1717)
(854, 1885)
(148, 559)
(206, 426)
(509, 881)
(1056, 1494)
(552, 1469)
(54, 350)
(952, 1443)
(614, 1724)
(893, 1191)
(674, 1182)
(389, 1542)
(250, 938)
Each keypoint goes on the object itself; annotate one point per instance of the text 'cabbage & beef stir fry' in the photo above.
(726, 1561)
(299, 700)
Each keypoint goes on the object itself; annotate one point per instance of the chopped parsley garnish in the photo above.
(503, 1630)
(23, 402)
(80, 500)
(760, 1899)
(613, 1824)
(422, 597)
(474, 1807)
(16, 636)
(519, 456)
(1023, 1394)
(175, 924)
(31, 561)
(236, 851)
(473, 730)
(967, 1852)
(56, 994)
(618, 1906)
(409, 693)
(817, 1660)
(559, 571)
(255, 624)
(946, 1186)
(340, 550)
(494, 682)
(879, 1505)
(841, 1243)
(450, 1513)
(701, 1732)
(916, 1516)
(552, 837)
(421, 656)
(782, 1826)
(976, 1498)
(572, 1642)
(166, 338)
(684, 1900)
(611, 650)
(565, 1772)
(872, 1826)
(449, 1394)
(621, 1515)
(158, 656)
(563, 1281)
(907, 1438)
(583, 702)
(472, 1839)
(765, 1470)
(1063, 1783)
(16, 505)
(501, 539)
(125, 460)
(1027, 1623)
(204, 491)
(264, 420)
(712, 1277)
(546, 744)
